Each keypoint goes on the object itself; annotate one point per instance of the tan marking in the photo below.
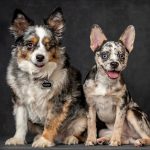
(23, 54)
(50, 131)
(34, 40)
(46, 40)
(54, 55)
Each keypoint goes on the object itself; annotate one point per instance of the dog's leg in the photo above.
(74, 131)
(21, 126)
(118, 126)
(52, 124)
(36, 129)
(91, 138)
(141, 126)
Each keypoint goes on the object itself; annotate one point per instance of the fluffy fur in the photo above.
(47, 91)
(107, 94)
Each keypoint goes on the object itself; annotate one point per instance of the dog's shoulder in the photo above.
(91, 74)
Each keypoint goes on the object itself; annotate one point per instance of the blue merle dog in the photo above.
(47, 90)
(107, 95)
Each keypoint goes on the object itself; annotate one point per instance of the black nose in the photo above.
(114, 65)
(39, 58)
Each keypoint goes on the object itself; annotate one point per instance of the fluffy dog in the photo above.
(47, 91)
(107, 95)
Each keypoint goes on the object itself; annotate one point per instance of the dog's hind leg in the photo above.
(141, 125)
(74, 131)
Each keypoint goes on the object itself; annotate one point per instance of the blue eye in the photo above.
(121, 56)
(104, 55)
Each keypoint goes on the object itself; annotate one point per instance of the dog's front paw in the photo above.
(15, 141)
(139, 142)
(71, 140)
(91, 141)
(42, 142)
(115, 141)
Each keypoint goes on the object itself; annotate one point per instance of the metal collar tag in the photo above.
(46, 84)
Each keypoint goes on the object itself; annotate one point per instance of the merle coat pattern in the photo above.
(107, 94)
(47, 90)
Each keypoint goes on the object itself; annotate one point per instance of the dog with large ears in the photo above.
(107, 95)
(47, 90)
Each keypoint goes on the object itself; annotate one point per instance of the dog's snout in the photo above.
(39, 58)
(114, 64)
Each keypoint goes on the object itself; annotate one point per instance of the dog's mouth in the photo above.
(113, 74)
(39, 65)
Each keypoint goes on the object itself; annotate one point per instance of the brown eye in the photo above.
(50, 45)
(30, 45)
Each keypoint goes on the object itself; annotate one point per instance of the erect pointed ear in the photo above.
(19, 24)
(128, 37)
(97, 37)
(56, 22)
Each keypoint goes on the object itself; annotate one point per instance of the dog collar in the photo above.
(45, 83)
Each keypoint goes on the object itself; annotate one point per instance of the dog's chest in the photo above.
(105, 104)
(105, 108)
(36, 101)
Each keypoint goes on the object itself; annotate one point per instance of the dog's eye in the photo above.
(121, 56)
(50, 45)
(104, 55)
(30, 45)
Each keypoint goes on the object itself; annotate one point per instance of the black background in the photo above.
(112, 15)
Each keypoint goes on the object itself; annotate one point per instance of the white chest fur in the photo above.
(35, 99)
(105, 104)
(105, 108)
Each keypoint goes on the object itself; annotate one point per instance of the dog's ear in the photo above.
(97, 37)
(128, 37)
(19, 24)
(56, 22)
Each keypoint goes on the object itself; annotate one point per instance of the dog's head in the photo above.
(112, 56)
(37, 46)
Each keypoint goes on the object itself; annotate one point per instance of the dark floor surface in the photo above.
(71, 147)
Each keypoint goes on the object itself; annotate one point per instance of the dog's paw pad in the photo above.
(71, 140)
(139, 142)
(103, 140)
(42, 142)
(15, 141)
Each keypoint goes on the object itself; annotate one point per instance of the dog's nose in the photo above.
(114, 64)
(39, 58)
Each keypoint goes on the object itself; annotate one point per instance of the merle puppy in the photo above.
(107, 94)
(46, 90)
